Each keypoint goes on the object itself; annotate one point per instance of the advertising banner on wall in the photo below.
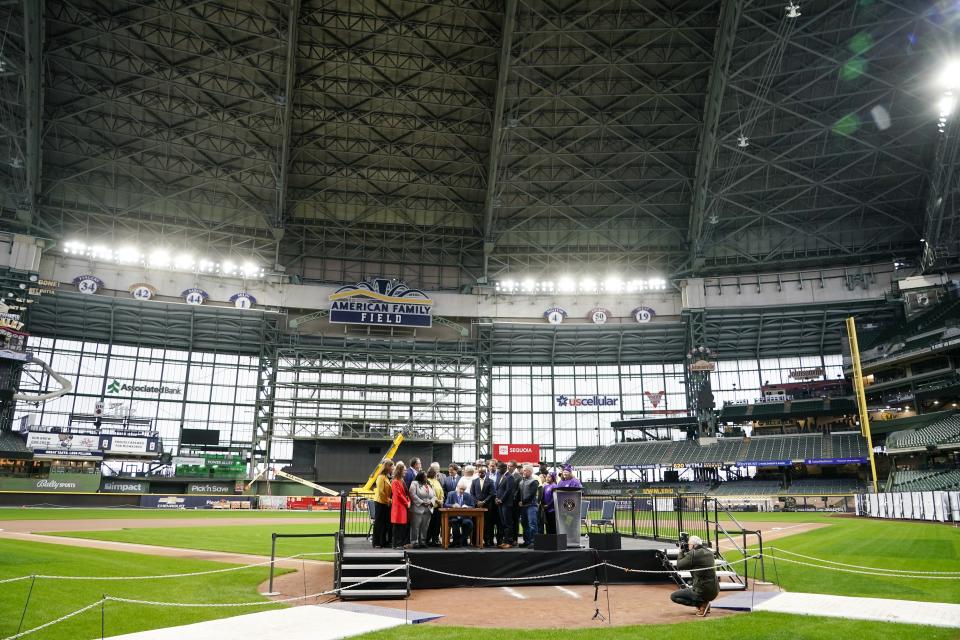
(62, 441)
(124, 486)
(518, 452)
(56, 483)
(216, 488)
(381, 302)
(196, 502)
(129, 444)
(764, 463)
(828, 461)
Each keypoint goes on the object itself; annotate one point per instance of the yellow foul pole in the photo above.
(861, 396)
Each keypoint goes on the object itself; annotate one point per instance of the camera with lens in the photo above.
(684, 541)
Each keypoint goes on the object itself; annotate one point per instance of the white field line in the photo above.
(514, 593)
(572, 594)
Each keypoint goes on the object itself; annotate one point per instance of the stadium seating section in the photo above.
(727, 450)
(931, 323)
(620, 488)
(945, 431)
(12, 443)
(927, 480)
(747, 488)
(832, 487)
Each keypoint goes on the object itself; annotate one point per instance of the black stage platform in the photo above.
(516, 562)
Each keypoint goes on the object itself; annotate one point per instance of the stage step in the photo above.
(732, 586)
(374, 594)
(355, 579)
(366, 569)
(378, 567)
(720, 574)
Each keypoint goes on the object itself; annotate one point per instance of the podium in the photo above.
(566, 506)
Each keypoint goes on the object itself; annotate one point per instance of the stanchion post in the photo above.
(656, 517)
(273, 555)
(33, 580)
(633, 515)
(763, 565)
(343, 510)
(679, 515)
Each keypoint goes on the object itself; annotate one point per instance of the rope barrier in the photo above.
(202, 605)
(206, 605)
(540, 577)
(877, 569)
(865, 573)
(655, 571)
(172, 575)
(57, 621)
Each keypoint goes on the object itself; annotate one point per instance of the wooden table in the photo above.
(477, 513)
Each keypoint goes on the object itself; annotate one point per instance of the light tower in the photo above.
(700, 403)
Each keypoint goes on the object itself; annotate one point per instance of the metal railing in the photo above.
(657, 517)
(730, 535)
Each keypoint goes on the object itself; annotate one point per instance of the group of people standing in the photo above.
(408, 498)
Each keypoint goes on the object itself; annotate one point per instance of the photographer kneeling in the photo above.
(700, 562)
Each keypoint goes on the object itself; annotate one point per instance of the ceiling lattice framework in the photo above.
(446, 141)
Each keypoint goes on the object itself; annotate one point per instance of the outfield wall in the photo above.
(933, 506)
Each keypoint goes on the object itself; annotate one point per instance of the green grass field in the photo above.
(253, 539)
(34, 513)
(891, 545)
(768, 626)
(51, 599)
(870, 543)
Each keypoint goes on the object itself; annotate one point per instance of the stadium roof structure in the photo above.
(459, 140)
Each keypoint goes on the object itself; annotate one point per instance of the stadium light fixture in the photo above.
(184, 261)
(611, 284)
(793, 10)
(129, 255)
(949, 77)
(161, 259)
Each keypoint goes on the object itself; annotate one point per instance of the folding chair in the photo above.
(372, 511)
(607, 518)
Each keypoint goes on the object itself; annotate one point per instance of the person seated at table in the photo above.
(460, 528)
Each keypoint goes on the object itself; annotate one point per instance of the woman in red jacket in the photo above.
(399, 508)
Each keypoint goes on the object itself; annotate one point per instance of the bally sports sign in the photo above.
(518, 452)
(381, 302)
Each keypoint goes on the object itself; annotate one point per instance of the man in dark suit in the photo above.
(506, 502)
(415, 467)
(452, 480)
(496, 536)
(460, 528)
(485, 493)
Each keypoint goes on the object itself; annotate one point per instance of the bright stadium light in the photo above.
(588, 285)
(160, 259)
(184, 262)
(566, 285)
(74, 247)
(529, 285)
(946, 104)
(613, 284)
(949, 77)
(129, 254)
